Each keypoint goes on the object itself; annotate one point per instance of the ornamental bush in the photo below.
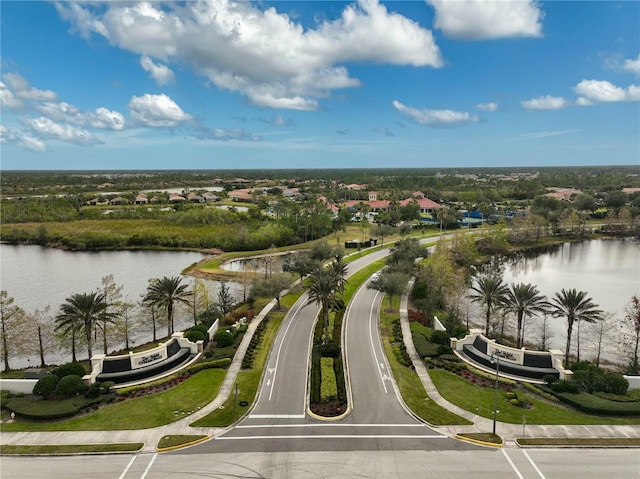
(68, 369)
(70, 386)
(440, 337)
(223, 339)
(194, 336)
(46, 386)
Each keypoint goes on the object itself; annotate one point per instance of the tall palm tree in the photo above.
(324, 286)
(166, 292)
(488, 290)
(82, 312)
(524, 300)
(575, 306)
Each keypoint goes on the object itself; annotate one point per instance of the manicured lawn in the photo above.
(140, 413)
(70, 448)
(411, 388)
(479, 400)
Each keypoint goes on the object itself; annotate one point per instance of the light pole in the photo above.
(495, 359)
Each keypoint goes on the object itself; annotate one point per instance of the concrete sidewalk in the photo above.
(507, 431)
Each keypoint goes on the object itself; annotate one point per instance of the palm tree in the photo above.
(523, 300)
(325, 284)
(488, 290)
(166, 292)
(82, 312)
(575, 306)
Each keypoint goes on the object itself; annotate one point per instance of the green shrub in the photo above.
(424, 348)
(444, 350)
(315, 378)
(611, 383)
(549, 379)
(330, 350)
(440, 337)
(70, 386)
(46, 386)
(564, 386)
(194, 336)
(510, 395)
(68, 369)
(203, 328)
(223, 339)
(594, 405)
(515, 402)
(223, 363)
(328, 387)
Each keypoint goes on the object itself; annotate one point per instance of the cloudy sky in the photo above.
(298, 84)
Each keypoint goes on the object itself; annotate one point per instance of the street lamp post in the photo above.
(495, 359)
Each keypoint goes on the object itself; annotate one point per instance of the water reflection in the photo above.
(609, 271)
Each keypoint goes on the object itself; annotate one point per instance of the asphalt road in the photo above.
(413, 464)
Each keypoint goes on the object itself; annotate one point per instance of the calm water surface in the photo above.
(609, 271)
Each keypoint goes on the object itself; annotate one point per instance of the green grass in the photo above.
(248, 381)
(480, 401)
(483, 436)
(581, 441)
(70, 448)
(411, 388)
(140, 413)
(178, 440)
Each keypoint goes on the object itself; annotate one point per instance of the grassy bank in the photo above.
(480, 400)
(69, 448)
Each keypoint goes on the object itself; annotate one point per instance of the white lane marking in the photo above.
(336, 436)
(276, 416)
(256, 426)
(513, 466)
(126, 469)
(144, 474)
(383, 377)
(275, 368)
(533, 464)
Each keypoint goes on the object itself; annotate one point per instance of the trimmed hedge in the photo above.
(46, 386)
(328, 387)
(70, 386)
(38, 409)
(69, 369)
(595, 405)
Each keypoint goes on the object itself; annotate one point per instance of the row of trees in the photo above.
(525, 301)
(86, 318)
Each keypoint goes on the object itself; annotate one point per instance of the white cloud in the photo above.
(545, 103)
(6, 135)
(8, 99)
(219, 134)
(488, 19)
(45, 128)
(22, 89)
(435, 117)
(277, 120)
(604, 91)
(491, 106)
(162, 74)
(546, 134)
(32, 143)
(632, 65)
(157, 110)
(265, 55)
(106, 119)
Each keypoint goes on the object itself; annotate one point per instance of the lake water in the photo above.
(36, 277)
(609, 271)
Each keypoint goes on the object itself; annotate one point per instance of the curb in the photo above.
(186, 444)
(476, 441)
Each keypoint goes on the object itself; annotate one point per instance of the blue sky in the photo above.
(297, 84)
